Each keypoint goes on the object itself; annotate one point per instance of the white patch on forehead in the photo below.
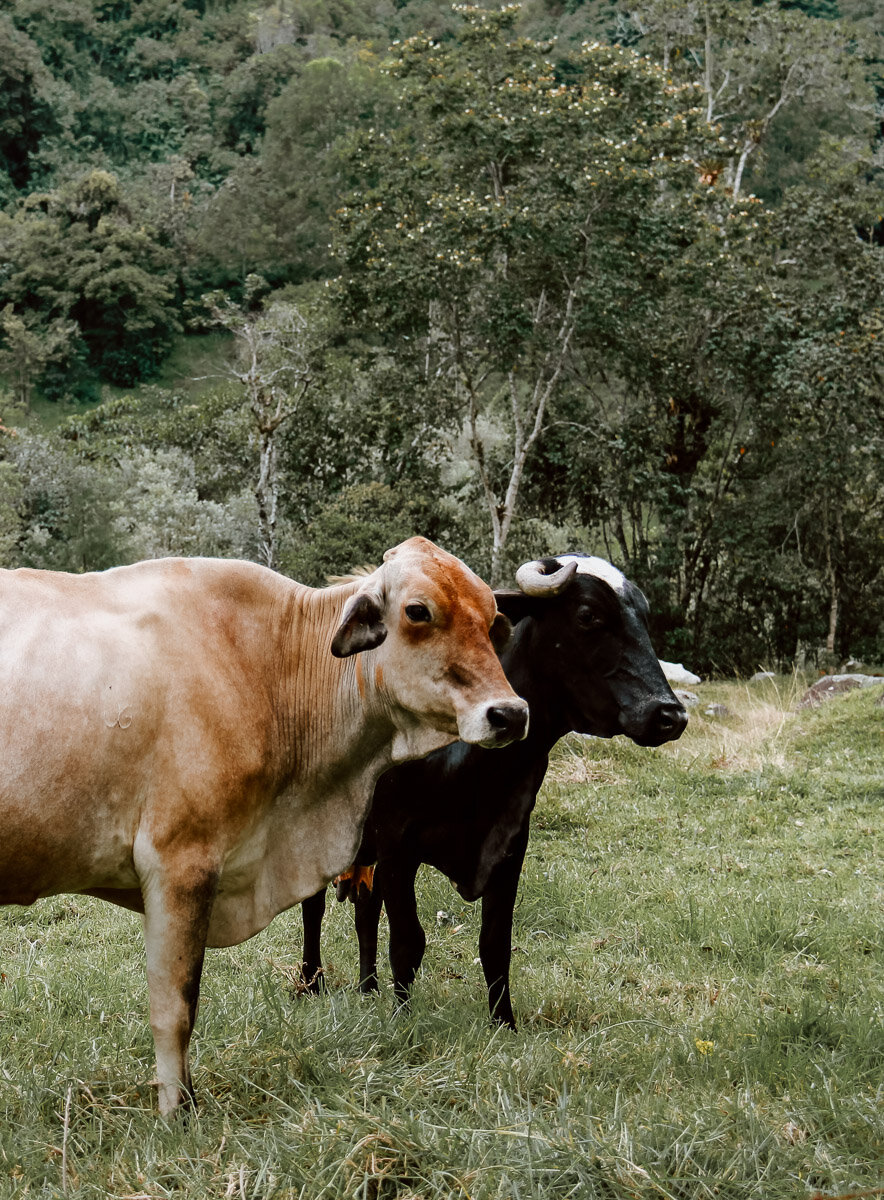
(597, 567)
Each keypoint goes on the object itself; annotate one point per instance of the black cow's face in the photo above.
(591, 647)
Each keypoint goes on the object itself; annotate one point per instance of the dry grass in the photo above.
(754, 736)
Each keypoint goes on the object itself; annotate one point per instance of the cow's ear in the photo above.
(516, 605)
(362, 626)
(501, 632)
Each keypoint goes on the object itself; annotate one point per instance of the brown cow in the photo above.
(181, 737)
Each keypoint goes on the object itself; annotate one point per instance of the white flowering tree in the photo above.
(521, 210)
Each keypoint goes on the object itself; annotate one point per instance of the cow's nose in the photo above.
(670, 720)
(510, 719)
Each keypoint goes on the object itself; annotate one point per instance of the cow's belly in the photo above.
(71, 754)
(69, 852)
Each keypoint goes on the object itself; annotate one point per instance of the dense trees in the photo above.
(78, 255)
(623, 295)
(508, 219)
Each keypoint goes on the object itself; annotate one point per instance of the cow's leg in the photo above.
(312, 912)
(496, 937)
(368, 905)
(177, 907)
(407, 938)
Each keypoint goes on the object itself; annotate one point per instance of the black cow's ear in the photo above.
(362, 626)
(501, 632)
(516, 605)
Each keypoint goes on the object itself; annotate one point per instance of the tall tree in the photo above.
(273, 215)
(25, 353)
(27, 113)
(756, 64)
(511, 217)
(829, 405)
(79, 255)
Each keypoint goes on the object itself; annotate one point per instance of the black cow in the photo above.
(580, 655)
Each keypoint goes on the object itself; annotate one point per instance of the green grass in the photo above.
(698, 976)
(196, 364)
(197, 361)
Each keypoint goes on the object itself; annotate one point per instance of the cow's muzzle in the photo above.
(498, 725)
(663, 723)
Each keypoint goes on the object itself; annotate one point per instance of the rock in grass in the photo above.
(862, 680)
(826, 689)
(716, 710)
(688, 699)
(678, 673)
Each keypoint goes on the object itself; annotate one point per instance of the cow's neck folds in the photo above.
(332, 703)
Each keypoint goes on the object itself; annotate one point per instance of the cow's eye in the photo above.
(587, 619)
(418, 613)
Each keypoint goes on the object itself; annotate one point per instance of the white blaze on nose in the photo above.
(477, 728)
(597, 567)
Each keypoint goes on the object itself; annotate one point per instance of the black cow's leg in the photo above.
(407, 938)
(496, 937)
(178, 902)
(312, 912)
(367, 906)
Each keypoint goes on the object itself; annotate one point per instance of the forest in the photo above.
(294, 281)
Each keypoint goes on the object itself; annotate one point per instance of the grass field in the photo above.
(196, 364)
(698, 978)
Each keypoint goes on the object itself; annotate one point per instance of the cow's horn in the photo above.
(533, 580)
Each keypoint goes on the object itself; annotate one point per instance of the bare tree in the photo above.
(274, 353)
(526, 404)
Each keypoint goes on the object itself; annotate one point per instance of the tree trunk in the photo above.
(267, 496)
(832, 576)
(833, 619)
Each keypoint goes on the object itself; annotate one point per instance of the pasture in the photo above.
(699, 981)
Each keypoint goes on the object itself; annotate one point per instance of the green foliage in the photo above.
(76, 255)
(10, 521)
(355, 529)
(773, 79)
(244, 95)
(27, 354)
(26, 111)
(275, 217)
(79, 514)
(573, 22)
(720, 453)
(509, 219)
(66, 509)
(499, 177)
(213, 434)
(158, 510)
